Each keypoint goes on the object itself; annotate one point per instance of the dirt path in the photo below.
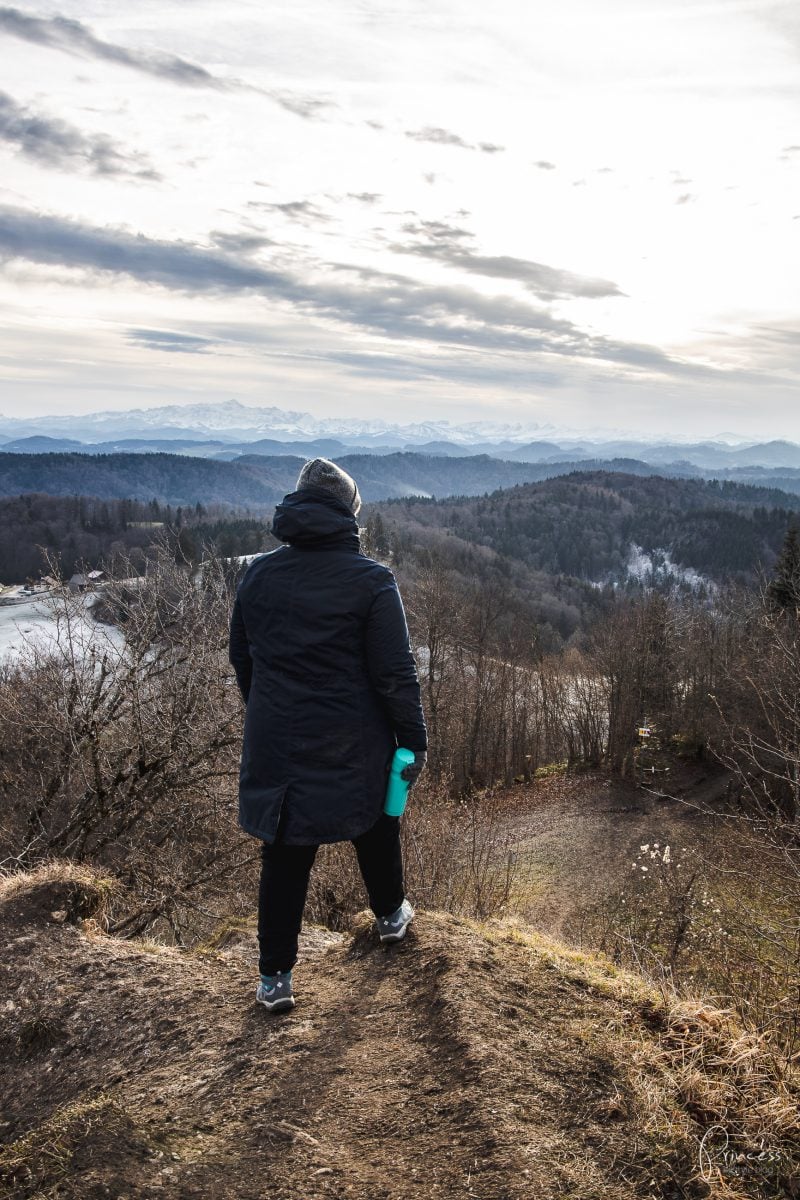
(462, 1063)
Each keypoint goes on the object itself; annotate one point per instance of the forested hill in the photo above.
(167, 478)
(258, 481)
(545, 546)
(584, 525)
(254, 481)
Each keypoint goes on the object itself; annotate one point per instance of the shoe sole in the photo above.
(277, 1005)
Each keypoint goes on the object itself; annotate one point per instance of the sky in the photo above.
(583, 215)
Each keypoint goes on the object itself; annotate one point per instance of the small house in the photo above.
(85, 582)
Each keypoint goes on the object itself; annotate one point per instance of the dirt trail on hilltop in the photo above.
(461, 1063)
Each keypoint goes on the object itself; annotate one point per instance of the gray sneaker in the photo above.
(393, 928)
(275, 992)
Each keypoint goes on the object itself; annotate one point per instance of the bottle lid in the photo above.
(404, 756)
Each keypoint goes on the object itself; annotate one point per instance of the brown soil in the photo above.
(465, 1062)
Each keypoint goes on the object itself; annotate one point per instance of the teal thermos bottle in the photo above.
(397, 790)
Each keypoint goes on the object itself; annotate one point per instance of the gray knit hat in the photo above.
(322, 473)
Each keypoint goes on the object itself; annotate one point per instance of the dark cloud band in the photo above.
(446, 243)
(391, 305)
(75, 37)
(55, 143)
(64, 33)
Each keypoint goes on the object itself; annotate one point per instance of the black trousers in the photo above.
(285, 871)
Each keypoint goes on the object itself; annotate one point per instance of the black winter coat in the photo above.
(320, 648)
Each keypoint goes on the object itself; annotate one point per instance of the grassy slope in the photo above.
(476, 1061)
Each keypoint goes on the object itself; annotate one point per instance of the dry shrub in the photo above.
(458, 857)
(119, 747)
(700, 919)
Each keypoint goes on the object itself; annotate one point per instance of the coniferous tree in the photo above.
(784, 588)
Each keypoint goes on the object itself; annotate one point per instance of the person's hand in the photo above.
(412, 772)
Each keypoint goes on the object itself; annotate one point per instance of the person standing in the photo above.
(320, 648)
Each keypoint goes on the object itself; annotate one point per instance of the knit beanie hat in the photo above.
(322, 473)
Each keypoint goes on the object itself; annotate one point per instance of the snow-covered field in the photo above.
(35, 621)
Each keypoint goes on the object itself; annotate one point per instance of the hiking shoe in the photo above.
(275, 992)
(393, 928)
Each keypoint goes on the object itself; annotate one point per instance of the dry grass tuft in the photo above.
(73, 1137)
(57, 871)
(706, 1081)
(60, 891)
(592, 970)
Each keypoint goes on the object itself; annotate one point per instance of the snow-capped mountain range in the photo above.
(233, 421)
(231, 429)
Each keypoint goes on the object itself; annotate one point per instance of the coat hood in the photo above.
(312, 517)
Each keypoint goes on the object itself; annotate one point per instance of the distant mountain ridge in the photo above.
(258, 481)
(226, 431)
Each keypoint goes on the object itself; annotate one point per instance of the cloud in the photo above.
(774, 344)
(304, 211)
(308, 107)
(440, 137)
(365, 197)
(368, 274)
(394, 306)
(165, 339)
(55, 143)
(445, 137)
(73, 37)
(45, 239)
(461, 368)
(239, 243)
(544, 165)
(686, 198)
(445, 243)
(439, 231)
(548, 283)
